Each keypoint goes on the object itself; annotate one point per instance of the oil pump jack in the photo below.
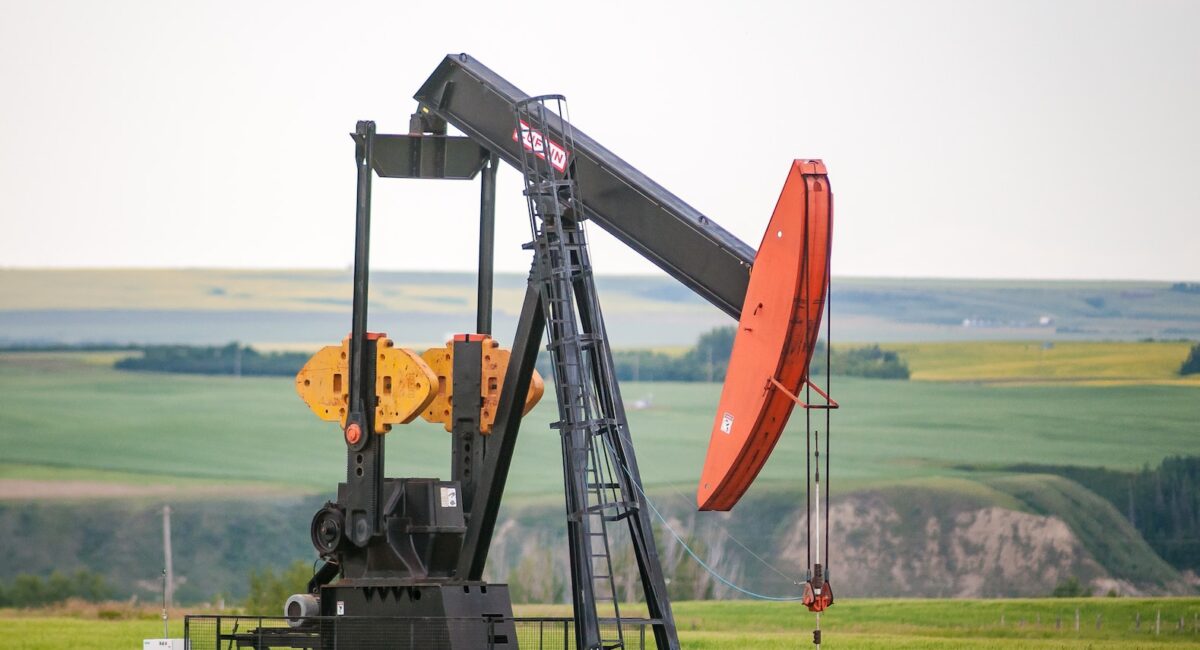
(417, 547)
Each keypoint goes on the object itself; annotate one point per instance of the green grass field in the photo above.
(1023, 362)
(1025, 623)
(72, 413)
(257, 429)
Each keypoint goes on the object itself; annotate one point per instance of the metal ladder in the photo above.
(590, 417)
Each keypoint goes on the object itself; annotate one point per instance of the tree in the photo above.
(33, 591)
(710, 358)
(1191, 365)
(1070, 588)
(231, 359)
(269, 591)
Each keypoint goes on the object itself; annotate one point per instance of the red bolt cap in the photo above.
(353, 433)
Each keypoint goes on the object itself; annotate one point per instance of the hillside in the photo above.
(928, 538)
(310, 308)
(1108, 537)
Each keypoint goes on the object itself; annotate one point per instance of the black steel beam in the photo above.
(493, 475)
(364, 149)
(427, 156)
(487, 245)
(467, 452)
(364, 455)
(625, 202)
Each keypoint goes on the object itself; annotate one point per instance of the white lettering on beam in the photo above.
(535, 142)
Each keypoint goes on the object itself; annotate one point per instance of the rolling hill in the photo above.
(310, 308)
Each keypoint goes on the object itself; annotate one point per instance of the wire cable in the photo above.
(828, 387)
(704, 565)
(737, 541)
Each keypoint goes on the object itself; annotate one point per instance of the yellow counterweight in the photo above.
(404, 384)
(407, 384)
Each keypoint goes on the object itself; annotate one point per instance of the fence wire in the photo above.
(396, 633)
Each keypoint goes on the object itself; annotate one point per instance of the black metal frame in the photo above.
(600, 467)
(368, 632)
(493, 474)
(457, 158)
(364, 457)
(600, 474)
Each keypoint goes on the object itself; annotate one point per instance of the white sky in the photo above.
(963, 139)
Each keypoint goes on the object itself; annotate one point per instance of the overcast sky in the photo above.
(963, 139)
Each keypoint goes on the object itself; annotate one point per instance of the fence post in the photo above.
(1137, 621)
(1098, 621)
(1157, 622)
(1076, 619)
(1058, 622)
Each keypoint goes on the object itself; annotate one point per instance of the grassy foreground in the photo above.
(1033, 623)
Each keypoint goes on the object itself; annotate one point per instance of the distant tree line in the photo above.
(34, 591)
(1191, 365)
(868, 361)
(1162, 503)
(1186, 287)
(708, 360)
(231, 359)
(38, 346)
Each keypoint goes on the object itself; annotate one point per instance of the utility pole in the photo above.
(168, 571)
(166, 633)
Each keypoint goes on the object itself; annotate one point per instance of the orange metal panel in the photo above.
(780, 323)
(404, 384)
(495, 364)
(441, 361)
(324, 383)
